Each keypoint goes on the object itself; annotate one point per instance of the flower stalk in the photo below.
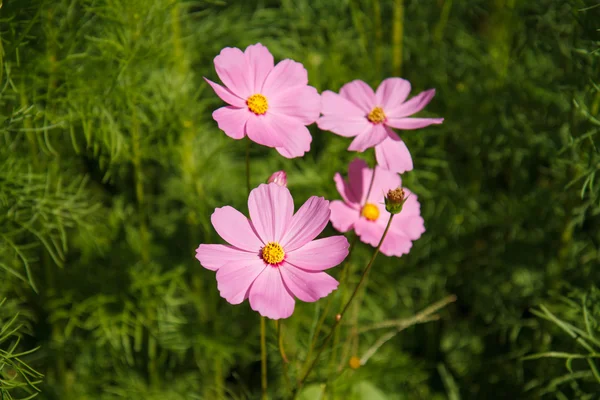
(339, 317)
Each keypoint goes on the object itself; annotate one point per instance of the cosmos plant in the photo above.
(274, 257)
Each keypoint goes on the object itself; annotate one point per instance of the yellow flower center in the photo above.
(258, 104)
(370, 211)
(376, 115)
(273, 253)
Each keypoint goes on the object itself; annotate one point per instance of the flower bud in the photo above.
(394, 200)
(279, 178)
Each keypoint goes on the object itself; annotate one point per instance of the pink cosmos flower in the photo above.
(369, 116)
(270, 104)
(367, 215)
(279, 177)
(273, 257)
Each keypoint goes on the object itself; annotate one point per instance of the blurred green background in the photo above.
(111, 165)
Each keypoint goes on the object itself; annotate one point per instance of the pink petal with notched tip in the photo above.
(235, 229)
(307, 223)
(214, 256)
(232, 121)
(233, 70)
(342, 216)
(391, 94)
(361, 94)
(319, 254)
(269, 296)
(227, 95)
(260, 61)
(393, 155)
(235, 278)
(307, 285)
(271, 208)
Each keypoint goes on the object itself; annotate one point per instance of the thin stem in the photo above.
(263, 357)
(338, 318)
(279, 326)
(397, 37)
(343, 280)
(248, 166)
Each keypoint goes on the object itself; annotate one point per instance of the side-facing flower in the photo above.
(271, 104)
(279, 177)
(368, 216)
(368, 116)
(273, 257)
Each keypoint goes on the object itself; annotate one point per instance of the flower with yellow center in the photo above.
(370, 211)
(258, 104)
(273, 253)
(376, 115)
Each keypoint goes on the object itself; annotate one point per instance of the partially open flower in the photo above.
(279, 177)
(394, 200)
(368, 216)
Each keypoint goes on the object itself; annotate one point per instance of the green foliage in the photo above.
(111, 165)
(17, 379)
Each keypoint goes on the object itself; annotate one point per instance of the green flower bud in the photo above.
(394, 200)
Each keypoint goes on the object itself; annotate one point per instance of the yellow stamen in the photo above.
(273, 253)
(258, 104)
(370, 211)
(376, 115)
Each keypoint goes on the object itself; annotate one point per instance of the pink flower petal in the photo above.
(320, 254)
(370, 232)
(359, 179)
(296, 141)
(227, 95)
(234, 72)
(286, 75)
(303, 104)
(343, 217)
(235, 278)
(347, 126)
(412, 123)
(232, 120)
(260, 61)
(412, 106)
(214, 256)
(384, 181)
(393, 155)
(235, 229)
(271, 208)
(269, 296)
(391, 94)
(334, 104)
(368, 139)
(262, 130)
(345, 191)
(360, 94)
(307, 223)
(412, 226)
(396, 244)
(307, 286)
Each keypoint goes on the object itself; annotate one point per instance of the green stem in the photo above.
(263, 357)
(248, 166)
(338, 318)
(286, 376)
(397, 38)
